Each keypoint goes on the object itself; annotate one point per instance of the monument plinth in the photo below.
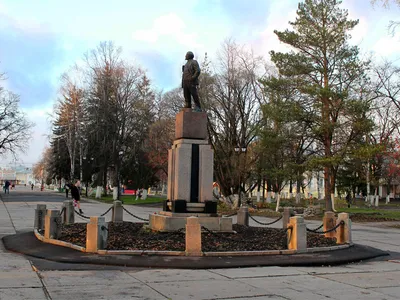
(190, 177)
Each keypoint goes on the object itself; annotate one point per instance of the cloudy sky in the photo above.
(40, 39)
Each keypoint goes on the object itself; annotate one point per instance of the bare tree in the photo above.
(231, 97)
(386, 3)
(15, 129)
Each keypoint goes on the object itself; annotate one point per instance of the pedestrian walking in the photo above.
(7, 187)
(348, 199)
(67, 187)
(32, 185)
(76, 196)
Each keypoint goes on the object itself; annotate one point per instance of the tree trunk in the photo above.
(327, 189)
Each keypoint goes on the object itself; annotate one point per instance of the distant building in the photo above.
(16, 175)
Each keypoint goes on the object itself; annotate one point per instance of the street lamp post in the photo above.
(120, 153)
(239, 150)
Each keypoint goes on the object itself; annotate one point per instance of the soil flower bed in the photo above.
(134, 236)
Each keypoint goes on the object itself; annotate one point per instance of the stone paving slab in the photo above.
(367, 280)
(257, 272)
(171, 275)
(115, 291)
(382, 266)
(391, 291)
(14, 279)
(85, 278)
(210, 289)
(313, 287)
(22, 294)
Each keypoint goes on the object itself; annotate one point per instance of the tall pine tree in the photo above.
(329, 76)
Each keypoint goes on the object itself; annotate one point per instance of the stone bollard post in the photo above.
(40, 213)
(287, 214)
(343, 233)
(69, 213)
(243, 216)
(193, 237)
(297, 236)
(117, 211)
(52, 222)
(96, 234)
(329, 221)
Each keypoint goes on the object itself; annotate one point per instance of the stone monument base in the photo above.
(169, 221)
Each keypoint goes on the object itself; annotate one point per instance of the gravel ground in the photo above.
(134, 236)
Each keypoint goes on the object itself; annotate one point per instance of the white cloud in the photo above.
(387, 46)
(267, 39)
(360, 32)
(169, 26)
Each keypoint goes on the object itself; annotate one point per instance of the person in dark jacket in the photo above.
(67, 187)
(76, 196)
(190, 81)
(7, 187)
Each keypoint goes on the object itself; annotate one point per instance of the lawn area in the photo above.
(131, 199)
(384, 214)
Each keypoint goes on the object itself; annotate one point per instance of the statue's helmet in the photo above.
(189, 55)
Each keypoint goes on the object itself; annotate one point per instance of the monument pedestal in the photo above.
(190, 178)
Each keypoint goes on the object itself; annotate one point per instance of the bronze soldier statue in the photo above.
(190, 81)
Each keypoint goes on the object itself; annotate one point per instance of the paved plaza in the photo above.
(23, 278)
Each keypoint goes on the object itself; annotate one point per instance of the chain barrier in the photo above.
(318, 228)
(106, 212)
(142, 219)
(62, 211)
(81, 215)
(291, 233)
(323, 232)
(261, 223)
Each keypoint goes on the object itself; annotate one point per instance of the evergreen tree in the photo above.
(329, 76)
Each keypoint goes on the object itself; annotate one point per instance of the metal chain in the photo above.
(106, 212)
(146, 220)
(330, 230)
(319, 227)
(81, 215)
(61, 212)
(261, 223)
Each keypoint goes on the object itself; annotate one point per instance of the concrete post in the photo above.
(329, 221)
(117, 212)
(343, 233)
(40, 213)
(287, 213)
(193, 237)
(96, 234)
(52, 223)
(243, 216)
(297, 236)
(69, 213)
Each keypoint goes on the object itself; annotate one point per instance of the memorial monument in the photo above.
(190, 165)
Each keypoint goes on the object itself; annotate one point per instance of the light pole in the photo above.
(120, 154)
(239, 150)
